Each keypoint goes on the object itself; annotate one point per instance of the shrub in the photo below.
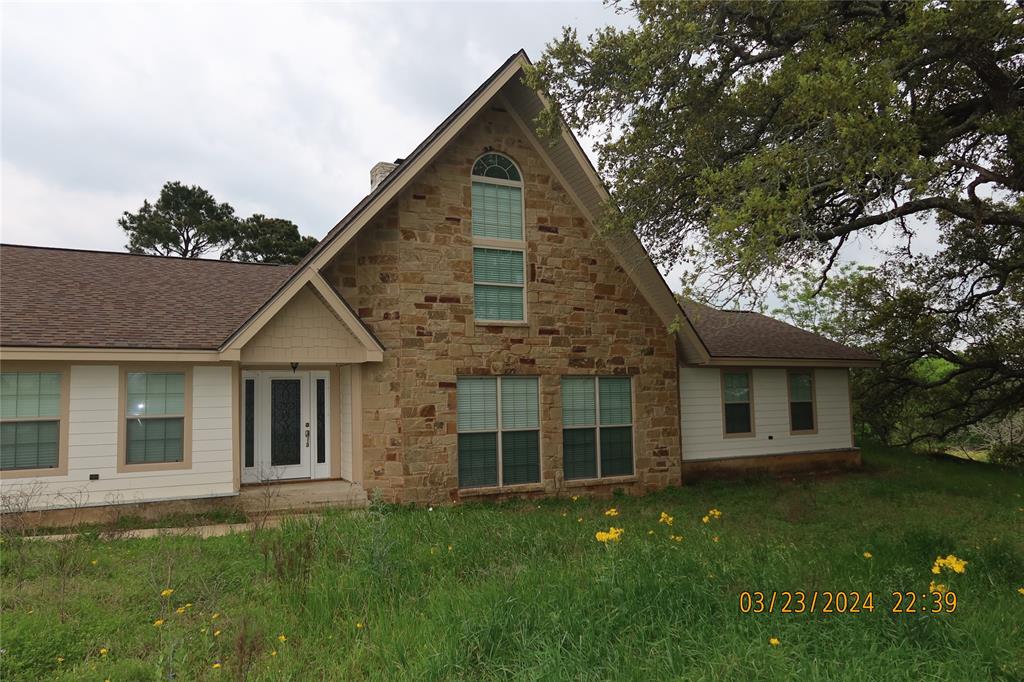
(1007, 454)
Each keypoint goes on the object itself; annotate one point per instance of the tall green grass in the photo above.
(523, 590)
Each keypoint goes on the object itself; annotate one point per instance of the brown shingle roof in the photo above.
(745, 334)
(93, 299)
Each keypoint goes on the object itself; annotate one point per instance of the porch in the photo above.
(301, 496)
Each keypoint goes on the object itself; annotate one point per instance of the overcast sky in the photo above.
(278, 109)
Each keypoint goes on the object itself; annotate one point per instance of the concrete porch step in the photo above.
(302, 496)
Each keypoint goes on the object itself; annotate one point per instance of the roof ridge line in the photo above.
(142, 255)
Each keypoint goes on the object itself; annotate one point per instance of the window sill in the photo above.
(500, 490)
(501, 323)
(610, 480)
(60, 470)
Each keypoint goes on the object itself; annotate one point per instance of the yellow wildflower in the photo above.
(612, 512)
(675, 538)
(60, 659)
(104, 651)
(714, 513)
(166, 592)
(216, 633)
(216, 666)
(579, 520)
(94, 562)
(1021, 590)
(158, 622)
(774, 641)
(359, 625)
(868, 555)
(188, 605)
(574, 498)
(650, 532)
(714, 539)
(215, 616)
(951, 562)
(665, 518)
(612, 535)
(282, 638)
(936, 587)
(274, 652)
(706, 519)
(180, 610)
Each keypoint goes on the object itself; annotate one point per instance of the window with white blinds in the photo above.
(597, 427)
(499, 246)
(498, 422)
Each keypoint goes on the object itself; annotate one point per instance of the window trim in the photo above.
(123, 467)
(501, 244)
(814, 402)
(63, 428)
(596, 378)
(750, 401)
(499, 430)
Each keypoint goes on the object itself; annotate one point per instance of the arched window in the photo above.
(499, 244)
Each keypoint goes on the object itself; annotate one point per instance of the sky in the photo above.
(279, 109)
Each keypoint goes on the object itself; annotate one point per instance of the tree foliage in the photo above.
(187, 221)
(751, 140)
(261, 239)
(184, 221)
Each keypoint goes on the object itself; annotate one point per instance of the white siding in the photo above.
(700, 392)
(92, 447)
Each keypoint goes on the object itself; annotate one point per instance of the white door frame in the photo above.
(308, 467)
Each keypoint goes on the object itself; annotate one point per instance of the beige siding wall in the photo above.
(304, 331)
(700, 391)
(92, 447)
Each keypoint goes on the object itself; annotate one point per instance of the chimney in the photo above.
(380, 171)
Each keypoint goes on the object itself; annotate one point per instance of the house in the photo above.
(463, 332)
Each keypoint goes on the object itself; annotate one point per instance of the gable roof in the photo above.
(733, 335)
(95, 299)
(571, 167)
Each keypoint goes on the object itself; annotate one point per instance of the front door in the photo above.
(289, 424)
(285, 425)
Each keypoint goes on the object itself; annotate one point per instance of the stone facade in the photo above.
(409, 277)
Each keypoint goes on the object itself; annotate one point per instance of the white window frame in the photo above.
(597, 425)
(502, 244)
(500, 430)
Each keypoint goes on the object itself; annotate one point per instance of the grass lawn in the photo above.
(525, 590)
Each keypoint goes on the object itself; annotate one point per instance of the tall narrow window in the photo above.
(30, 413)
(155, 410)
(250, 423)
(321, 421)
(802, 417)
(499, 246)
(499, 431)
(737, 408)
(597, 427)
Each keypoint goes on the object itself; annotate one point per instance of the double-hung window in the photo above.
(597, 427)
(30, 420)
(801, 402)
(155, 413)
(499, 431)
(499, 246)
(737, 407)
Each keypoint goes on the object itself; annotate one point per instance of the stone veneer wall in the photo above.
(409, 276)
